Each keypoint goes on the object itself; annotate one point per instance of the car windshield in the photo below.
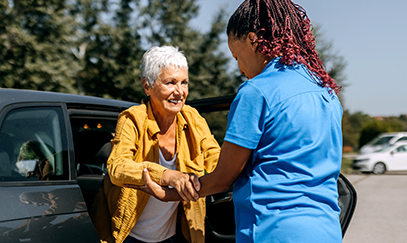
(381, 140)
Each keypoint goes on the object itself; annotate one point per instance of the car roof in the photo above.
(12, 96)
(393, 134)
(220, 103)
(15, 96)
(399, 143)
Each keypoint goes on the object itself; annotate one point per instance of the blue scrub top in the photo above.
(288, 191)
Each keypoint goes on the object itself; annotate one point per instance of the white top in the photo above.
(158, 220)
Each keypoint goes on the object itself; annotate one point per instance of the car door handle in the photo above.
(228, 197)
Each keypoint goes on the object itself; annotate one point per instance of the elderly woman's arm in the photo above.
(121, 165)
(187, 185)
(125, 171)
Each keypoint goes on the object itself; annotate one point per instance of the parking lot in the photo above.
(381, 212)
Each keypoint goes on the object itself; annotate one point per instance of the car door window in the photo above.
(402, 139)
(33, 145)
(402, 149)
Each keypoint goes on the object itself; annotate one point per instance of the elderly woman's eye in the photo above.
(185, 82)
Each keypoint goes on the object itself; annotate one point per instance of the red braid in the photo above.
(282, 29)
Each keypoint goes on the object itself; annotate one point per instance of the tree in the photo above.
(372, 130)
(167, 22)
(95, 47)
(111, 65)
(334, 63)
(35, 40)
(403, 119)
(352, 126)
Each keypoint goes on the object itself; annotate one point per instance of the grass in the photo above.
(346, 165)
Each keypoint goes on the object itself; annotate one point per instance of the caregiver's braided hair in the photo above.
(282, 29)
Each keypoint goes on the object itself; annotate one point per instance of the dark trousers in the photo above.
(130, 239)
(177, 238)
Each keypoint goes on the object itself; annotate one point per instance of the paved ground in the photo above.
(381, 212)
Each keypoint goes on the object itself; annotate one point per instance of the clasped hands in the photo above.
(175, 186)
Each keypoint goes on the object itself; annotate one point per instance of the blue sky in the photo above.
(370, 35)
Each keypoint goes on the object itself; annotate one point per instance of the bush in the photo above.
(346, 167)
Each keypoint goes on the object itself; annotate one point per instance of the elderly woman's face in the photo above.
(169, 92)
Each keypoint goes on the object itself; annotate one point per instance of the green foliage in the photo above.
(34, 41)
(372, 130)
(346, 166)
(95, 47)
(352, 125)
(334, 63)
(108, 49)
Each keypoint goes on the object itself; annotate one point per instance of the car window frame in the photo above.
(70, 179)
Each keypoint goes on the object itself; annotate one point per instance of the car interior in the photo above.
(92, 131)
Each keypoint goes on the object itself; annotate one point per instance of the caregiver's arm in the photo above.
(232, 161)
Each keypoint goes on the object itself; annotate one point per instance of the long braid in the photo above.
(282, 29)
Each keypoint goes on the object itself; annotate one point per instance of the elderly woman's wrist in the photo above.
(164, 178)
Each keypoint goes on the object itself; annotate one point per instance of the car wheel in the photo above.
(379, 168)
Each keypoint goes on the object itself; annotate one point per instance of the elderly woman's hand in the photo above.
(185, 186)
(152, 188)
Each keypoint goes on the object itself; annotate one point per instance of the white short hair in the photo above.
(157, 58)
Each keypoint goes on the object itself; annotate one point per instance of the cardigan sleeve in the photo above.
(122, 167)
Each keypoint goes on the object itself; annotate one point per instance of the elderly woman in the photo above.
(283, 144)
(168, 138)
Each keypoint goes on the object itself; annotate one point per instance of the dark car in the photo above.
(53, 152)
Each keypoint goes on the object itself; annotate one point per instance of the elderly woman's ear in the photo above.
(146, 87)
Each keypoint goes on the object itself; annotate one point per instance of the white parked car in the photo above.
(389, 158)
(383, 140)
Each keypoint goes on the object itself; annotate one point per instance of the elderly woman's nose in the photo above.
(178, 90)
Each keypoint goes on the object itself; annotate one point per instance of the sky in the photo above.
(371, 35)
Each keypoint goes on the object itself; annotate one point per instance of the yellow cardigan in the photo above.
(135, 146)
